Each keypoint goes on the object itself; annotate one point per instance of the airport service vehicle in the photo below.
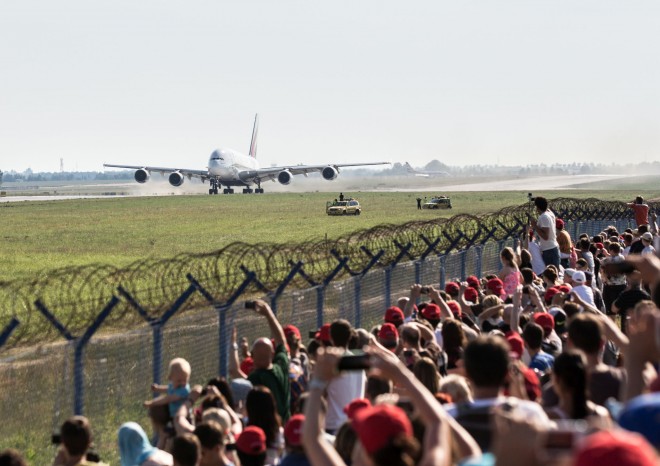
(347, 207)
(440, 202)
(227, 167)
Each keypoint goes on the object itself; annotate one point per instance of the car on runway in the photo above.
(439, 202)
(347, 207)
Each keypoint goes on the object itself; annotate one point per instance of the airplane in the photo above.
(424, 173)
(227, 167)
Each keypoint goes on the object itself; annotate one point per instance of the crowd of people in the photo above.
(551, 361)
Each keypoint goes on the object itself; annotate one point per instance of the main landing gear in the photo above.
(215, 187)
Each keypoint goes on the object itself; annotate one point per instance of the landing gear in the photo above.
(247, 191)
(214, 186)
(227, 191)
(259, 189)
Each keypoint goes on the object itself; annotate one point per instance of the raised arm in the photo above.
(276, 331)
(235, 371)
(415, 291)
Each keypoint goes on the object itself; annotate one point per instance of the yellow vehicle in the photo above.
(440, 202)
(347, 207)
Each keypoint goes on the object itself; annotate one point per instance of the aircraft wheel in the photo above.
(210, 190)
(225, 191)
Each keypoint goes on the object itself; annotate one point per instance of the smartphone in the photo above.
(312, 333)
(354, 362)
(250, 304)
(424, 290)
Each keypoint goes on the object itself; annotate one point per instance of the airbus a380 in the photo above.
(227, 167)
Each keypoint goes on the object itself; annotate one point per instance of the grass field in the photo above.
(40, 236)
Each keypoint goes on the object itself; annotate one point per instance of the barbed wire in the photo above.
(76, 294)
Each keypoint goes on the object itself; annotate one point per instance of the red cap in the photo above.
(431, 311)
(452, 288)
(545, 320)
(471, 294)
(550, 293)
(532, 384)
(599, 245)
(356, 405)
(516, 344)
(293, 430)
(247, 365)
(252, 441)
(291, 329)
(615, 448)
(394, 315)
(559, 224)
(565, 288)
(376, 426)
(496, 286)
(324, 333)
(388, 332)
(473, 281)
(455, 308)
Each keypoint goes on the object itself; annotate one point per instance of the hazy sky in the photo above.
(163, 82)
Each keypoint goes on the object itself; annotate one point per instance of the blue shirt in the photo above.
(542, 361)
(182, 393)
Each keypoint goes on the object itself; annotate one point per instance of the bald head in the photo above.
(262, 353)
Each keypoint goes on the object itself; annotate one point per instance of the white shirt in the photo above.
(341, 391)
(586, 293)
(547, 220)
(538, 266)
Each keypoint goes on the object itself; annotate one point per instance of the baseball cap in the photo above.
(559, 224)
(545, 320)
(550, 293)
(642, 415)
(252, 441)
(495, 285)
(293, 430)
(560, 319)
(532, 384)
(324, 333)
(376, 426)
(569, 272)
(471, 294)
(615, 448)
(356, 405)
(431, 311)
(473, 281)
(291, 329)
(564, 288)
(394, 315)
(388, 334)
(516, 344)
(452, 288)
(455, 308)
(648, 236)
(579, 277)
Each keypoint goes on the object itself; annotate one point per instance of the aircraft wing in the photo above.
(203, 174)
(270, 173)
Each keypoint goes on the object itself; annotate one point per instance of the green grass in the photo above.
(41, 236)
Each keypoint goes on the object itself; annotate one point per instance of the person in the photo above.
(76, 438)
(419, 203)
(641, 211)
(271, 362)
(533, 338)
(570, 375)
(11, 457)
(186, 450)
(251, 447)
(295, 454)
(509, 273)
(347, 387)
(176, 391)
(628, 299)
(262, 412)
(341, 196)
(647, 241)
(212, 438)
(545, 228)
(565, 244)
(135, 449)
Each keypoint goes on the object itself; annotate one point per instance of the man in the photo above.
(629, 298)
(533, 338)
(348, 386)
(271, 364)
(186, 450)
(76, 438)
(419, 203)
(545, 229)
(295, 454)
(613, 283)
(641, 211)
(487, 366)
(212, 442)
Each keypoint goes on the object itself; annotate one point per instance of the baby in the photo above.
(175, 393)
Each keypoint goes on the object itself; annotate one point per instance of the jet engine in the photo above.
(142, 175)
(329, 173)
(176, 179)
(284, 177)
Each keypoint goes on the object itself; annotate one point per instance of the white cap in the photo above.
(579, 277)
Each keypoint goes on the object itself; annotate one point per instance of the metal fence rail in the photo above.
(77, 369)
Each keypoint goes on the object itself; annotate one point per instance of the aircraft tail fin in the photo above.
(253, 143)
(409, 169)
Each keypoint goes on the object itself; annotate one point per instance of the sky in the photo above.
(160, 82)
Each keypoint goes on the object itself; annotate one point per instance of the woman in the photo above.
(570, 382)
(135, 449)
(509, 274)
(453, 342)
(262, 412)
(427, 372)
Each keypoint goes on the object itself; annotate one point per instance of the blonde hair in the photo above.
(457, 387)
(181, 365)
(491, 300)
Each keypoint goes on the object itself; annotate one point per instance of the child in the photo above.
(176, 392)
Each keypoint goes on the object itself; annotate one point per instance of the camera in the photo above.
(312, 333)
(530, 197)
(354, 362)
(424, 290)
(250, 304)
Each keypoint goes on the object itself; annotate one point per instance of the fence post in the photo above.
(463, 263)
(478, 260)
(388, 287)
(6, 333)
(79, 348)
(443, 271)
